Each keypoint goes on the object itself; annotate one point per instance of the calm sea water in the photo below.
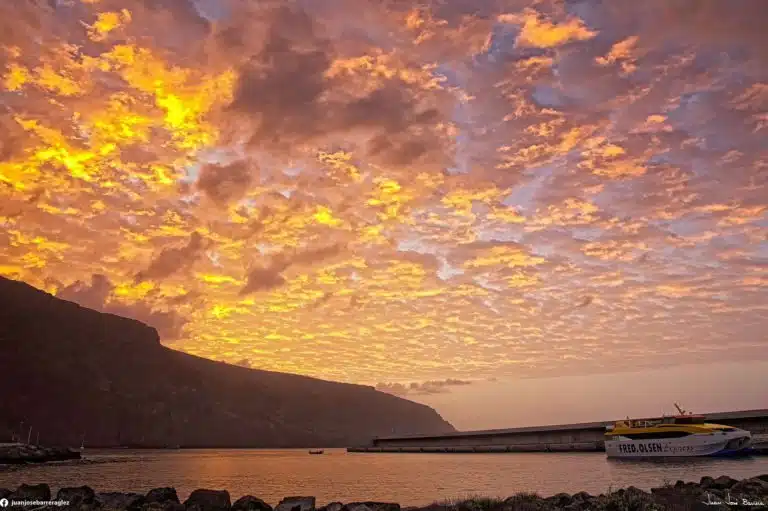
(409, 479)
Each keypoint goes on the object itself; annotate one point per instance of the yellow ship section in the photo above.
(623, 429)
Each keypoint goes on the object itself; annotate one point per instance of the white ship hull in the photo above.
(714, 444)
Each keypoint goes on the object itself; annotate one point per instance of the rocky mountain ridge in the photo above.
(71, 372)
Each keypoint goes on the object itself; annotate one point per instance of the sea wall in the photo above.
(709, 493)
(580, 437)
(521, 447)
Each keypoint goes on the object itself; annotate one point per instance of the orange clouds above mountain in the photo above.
(395, 191)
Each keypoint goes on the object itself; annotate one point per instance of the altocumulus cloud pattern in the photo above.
(378, 191)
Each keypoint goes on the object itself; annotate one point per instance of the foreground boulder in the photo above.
(208, 500)
(116, 501)
(32, 492)
(752, 486)
(371, 506)
(250, 503)
(581, 501)
(76, 496)
(723, 483)
(560, 500)
(162, 495)
(709, 494)
(706, 482)
(296, 504)
(583, 496)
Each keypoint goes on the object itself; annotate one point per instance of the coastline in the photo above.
(19, 454)
(722, 492)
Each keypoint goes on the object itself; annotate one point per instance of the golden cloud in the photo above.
(407, 190)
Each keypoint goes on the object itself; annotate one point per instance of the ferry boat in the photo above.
(680, 435)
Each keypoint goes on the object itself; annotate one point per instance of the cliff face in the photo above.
(69, 371)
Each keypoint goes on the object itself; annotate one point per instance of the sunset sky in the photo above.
(436, 197)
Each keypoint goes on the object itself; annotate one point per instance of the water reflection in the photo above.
(410, 479)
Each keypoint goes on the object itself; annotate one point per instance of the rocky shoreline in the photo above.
(709, 493)
(19, 454)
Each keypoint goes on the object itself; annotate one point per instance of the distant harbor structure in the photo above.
(581, 437)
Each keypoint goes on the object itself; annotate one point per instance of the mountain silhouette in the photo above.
(71, 372)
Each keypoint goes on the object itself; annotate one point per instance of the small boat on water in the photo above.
(682, 435)
(316, 451)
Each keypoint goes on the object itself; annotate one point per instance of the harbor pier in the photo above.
(580, 437)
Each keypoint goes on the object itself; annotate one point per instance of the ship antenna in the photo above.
(680, 410)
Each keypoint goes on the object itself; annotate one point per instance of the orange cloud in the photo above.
(405, 190)
(539, 32)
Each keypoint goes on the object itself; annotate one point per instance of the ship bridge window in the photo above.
(656, 435)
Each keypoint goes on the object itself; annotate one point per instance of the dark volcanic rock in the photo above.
(117, 501)
(682, 495)
(91, 361)
(250, 503)
(580, 501)
(703, 495)
(165, 506)
(162, 495)
(752, 486)
(371, 506)
(583, 496)
(296, 504)
(76, 496)
(723, 483)
(714, 493)
(208, 500)
(32, 492)
(524, 501)
(5, 492)
(561, 499)
(763, 477)
(693, 488)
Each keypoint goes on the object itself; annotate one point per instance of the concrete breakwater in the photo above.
(709, 493)
(16, 454)
(555, 447)
(581, 437)
(759, 447)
